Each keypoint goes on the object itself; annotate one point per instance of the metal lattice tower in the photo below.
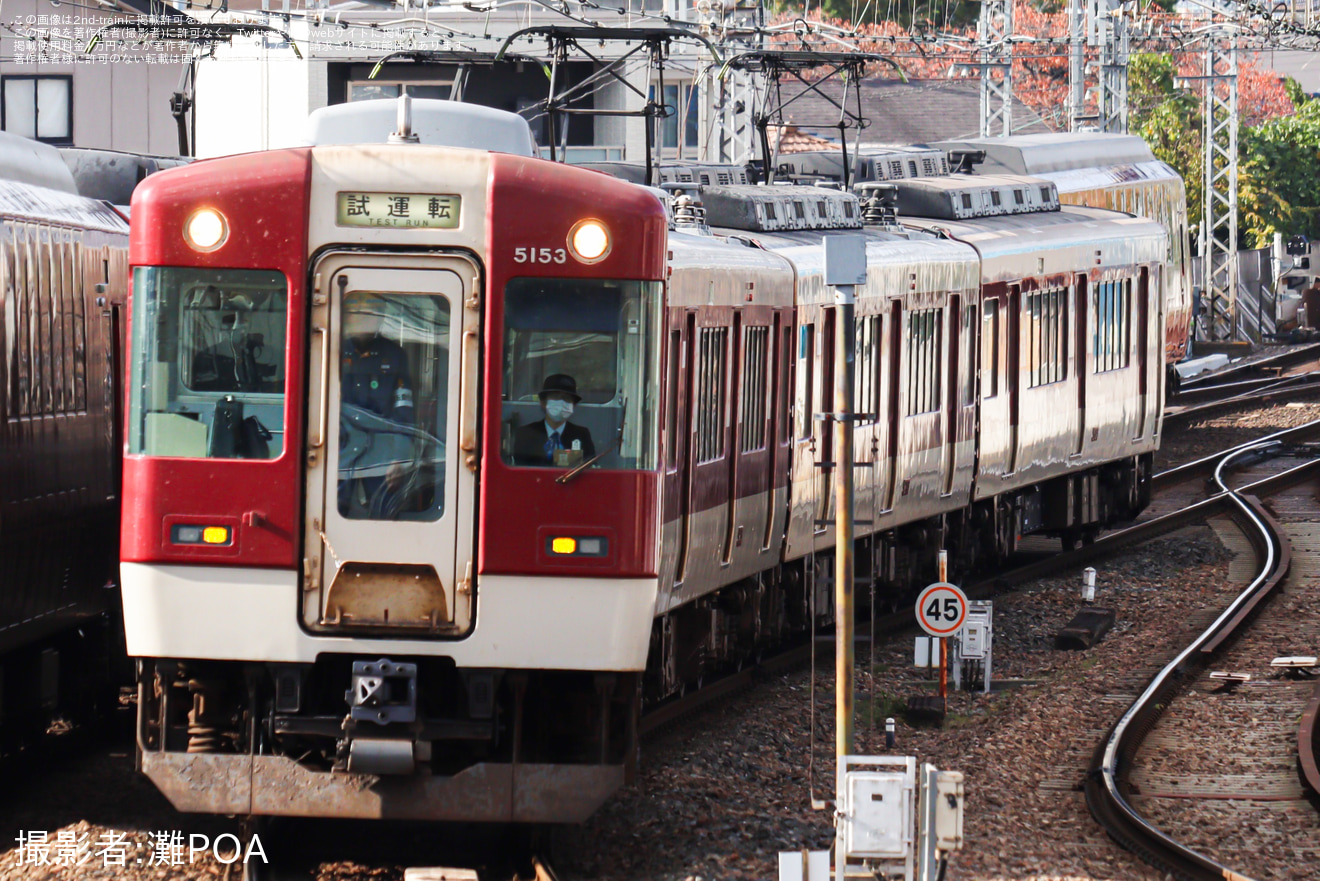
(995, 36)
(1219, 244)
(1077, 15)
(1111, 31)
(734, 136)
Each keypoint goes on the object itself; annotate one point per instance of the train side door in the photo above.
(825, 450)
(1143, 346)
(1013, 329)
(1081, 308)
(893, 400)
(391, 473)
(678, 476)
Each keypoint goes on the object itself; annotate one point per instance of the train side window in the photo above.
(1047, 336)
(1112, 302)
(924, 336)
(990, 349)
(756, 342)
(806, 377)
(864, 367)
(207, 379)
(711, 381)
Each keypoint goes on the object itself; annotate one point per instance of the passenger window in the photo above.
(207, 377)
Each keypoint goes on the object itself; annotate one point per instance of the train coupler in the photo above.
(384, 695)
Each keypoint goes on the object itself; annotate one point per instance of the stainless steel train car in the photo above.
(1113, 171)
(493, 479)
(64, 263)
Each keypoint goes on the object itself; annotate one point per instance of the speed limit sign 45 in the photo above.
(941, 609)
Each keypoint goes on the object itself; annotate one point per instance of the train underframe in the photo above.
(735, 625)
(450, 743)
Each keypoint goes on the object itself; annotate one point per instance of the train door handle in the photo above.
(323, 395)
(467, 439)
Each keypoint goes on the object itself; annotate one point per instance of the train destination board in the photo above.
(398, 210)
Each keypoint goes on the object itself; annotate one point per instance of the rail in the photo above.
(1105, 788)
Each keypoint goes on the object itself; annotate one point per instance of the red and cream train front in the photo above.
(335, 555)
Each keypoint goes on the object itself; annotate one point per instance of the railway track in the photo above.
(1106, 787)
(1105, 782)
(1246, 371)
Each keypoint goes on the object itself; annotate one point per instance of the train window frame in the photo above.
(924, 335)
(712, 389)
(866, 376)
(754, 392)
(556, 315)
(8, 111)
(1046, 336)
(990, 348)
(194, 423)
(1111, 307)
(806, 381)
(673, 370)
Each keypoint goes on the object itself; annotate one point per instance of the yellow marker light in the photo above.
(206, 230)
(589, 241)
(563, 545)
(215, 535)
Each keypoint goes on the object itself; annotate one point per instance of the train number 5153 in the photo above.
(540, 255)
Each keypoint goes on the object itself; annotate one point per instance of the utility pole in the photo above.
(994, 32)
(845, 268)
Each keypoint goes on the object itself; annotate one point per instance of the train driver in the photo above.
(554, 440)
(376, 427)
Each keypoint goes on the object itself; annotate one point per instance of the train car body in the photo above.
(368, 578)
(313, 581)
(1113, 171)
(63, 260)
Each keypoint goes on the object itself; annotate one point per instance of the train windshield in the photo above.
(208, 363)
(581, 376)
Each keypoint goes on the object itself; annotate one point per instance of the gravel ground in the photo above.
(737, 776)
(722, 792)
(1198, 439)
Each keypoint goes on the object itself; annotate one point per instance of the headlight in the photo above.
(589, 241)
(206, 230)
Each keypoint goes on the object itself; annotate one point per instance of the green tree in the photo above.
(1169, 119)
(1279, 176)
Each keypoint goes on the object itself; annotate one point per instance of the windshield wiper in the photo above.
(569, 475)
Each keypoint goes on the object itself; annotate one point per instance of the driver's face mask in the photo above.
(559, 411)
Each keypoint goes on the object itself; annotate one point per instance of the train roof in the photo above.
(1073, 161)
(435, 123)
(896, 263)
(19, 201)
(1056, 151)
(112, 175)
(1071, 226)
(31, 162)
